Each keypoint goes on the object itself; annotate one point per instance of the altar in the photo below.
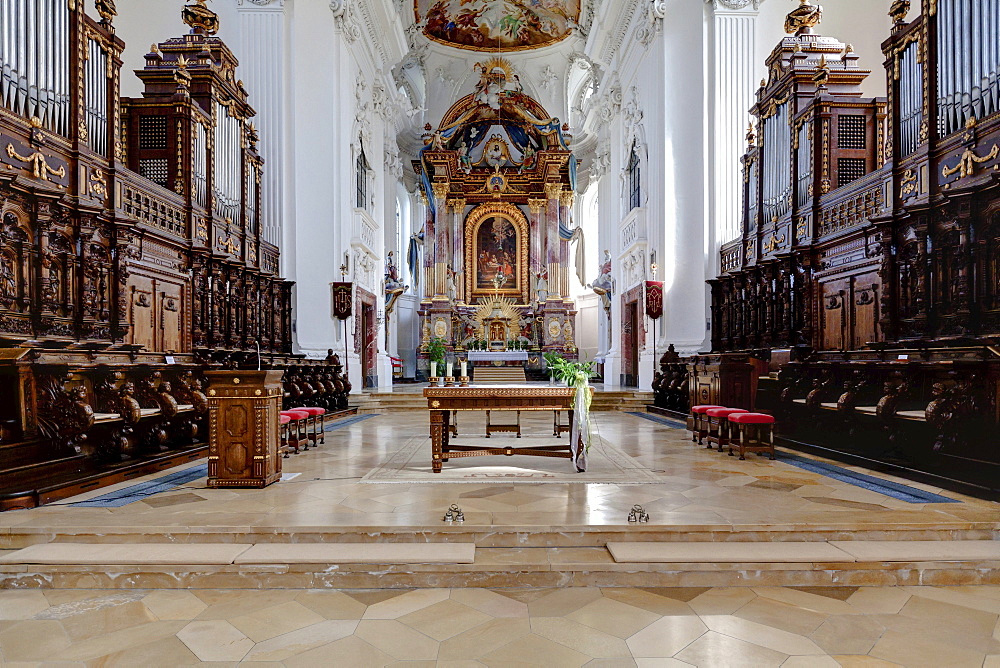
(498, 177)
(442, 401)
(497, 356)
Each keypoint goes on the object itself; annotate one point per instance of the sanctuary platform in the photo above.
(713, 521)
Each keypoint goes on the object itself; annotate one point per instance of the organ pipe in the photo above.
(910, 99)
(968, 62)
(777, 167)
(95, 76)
(34, 60)
(227, 173)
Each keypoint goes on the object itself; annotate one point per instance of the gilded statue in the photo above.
(898, 10)
(802, 19)
(107, 9)
(201, 18)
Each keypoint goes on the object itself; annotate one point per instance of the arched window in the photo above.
(362, 180)
(634, 188)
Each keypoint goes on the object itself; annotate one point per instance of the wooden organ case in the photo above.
(131, 248)
(871, 242)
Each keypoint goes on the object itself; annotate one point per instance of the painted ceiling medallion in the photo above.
(485, 25)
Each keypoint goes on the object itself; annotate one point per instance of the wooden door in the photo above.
(630, 344)
(849, 312)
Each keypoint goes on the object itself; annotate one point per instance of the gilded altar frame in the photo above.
(473, 222)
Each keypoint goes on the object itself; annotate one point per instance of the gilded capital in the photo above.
(552, 190)
(441, 189)
(566, 198)
(422, 197)
(457, 205)
(536, 206)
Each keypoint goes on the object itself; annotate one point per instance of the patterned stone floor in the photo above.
(733, 626)
(846, 626)
(697, 487)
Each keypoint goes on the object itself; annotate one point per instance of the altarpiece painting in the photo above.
(496, 251)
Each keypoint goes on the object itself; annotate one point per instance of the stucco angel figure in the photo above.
(602, 285)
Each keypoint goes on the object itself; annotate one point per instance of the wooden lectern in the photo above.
(243, 415)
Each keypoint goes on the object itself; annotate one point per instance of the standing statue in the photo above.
(451, 287)
(802, 19)
(542, 286)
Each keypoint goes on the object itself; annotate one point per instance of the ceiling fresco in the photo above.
(486, 25)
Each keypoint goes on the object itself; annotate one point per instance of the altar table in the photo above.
(441, 401)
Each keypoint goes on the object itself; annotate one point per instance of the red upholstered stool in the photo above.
(298, 420)
(756, 433)
(699, 421)
(284, 421)
(316, 416)
(718, 425)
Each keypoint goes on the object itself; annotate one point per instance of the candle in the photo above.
(463, 369)
(434, 368)
(449, 368)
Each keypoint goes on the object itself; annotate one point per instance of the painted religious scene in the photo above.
(491, 24)
(496, 244)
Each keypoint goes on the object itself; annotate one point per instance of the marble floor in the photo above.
(738, 626)
(700, 491)
(698, 488)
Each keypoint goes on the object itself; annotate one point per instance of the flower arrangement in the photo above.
(571, 373)
(576, 375)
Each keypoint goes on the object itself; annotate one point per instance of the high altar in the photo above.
(498, 176)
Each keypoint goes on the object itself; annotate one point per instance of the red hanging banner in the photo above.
(654, 299)
(342, 296)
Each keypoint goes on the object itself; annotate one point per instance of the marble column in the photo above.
(427, 259)
(457, 208)
(733, 42)
(262, 68)
(536, 245)
(439, 240)
(566, 200)
(552, 192)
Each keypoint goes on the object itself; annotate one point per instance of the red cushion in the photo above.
(284, 419)
(296, 414)
(752, 418)
(703, 408)
(723, 412)
(312, 410)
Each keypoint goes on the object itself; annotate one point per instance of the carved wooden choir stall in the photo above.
(132, 252)
(874, 224)
(498, 176)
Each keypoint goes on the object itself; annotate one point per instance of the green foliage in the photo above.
(436, 350)
(566, 371)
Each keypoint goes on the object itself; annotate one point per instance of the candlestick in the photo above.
(448, 368)
(434, 368)
(463, 368)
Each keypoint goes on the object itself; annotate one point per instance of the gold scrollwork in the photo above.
(230, 245)
(40, 168)
(908, 183)
(97, 186)
(967, 162)
(774, 243)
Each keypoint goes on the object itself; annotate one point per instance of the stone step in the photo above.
(427, 527)
(308, 566)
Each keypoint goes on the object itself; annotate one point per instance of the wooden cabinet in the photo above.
(243, 411)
